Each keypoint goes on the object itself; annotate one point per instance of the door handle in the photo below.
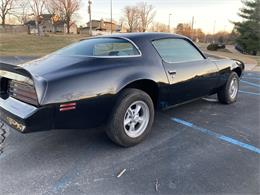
(172, 72)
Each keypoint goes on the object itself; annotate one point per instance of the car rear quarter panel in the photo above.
(94, 85)
(101, 77)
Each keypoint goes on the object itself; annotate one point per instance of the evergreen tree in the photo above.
(249, 28)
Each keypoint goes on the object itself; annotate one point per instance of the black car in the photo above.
(118, 80)
(240, 49)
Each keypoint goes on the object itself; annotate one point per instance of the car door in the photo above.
(190, 74)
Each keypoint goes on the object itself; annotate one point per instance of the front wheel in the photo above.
(132, 118)
(228, 93)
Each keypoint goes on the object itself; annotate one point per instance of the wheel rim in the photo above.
(233, 88)
(136, 119)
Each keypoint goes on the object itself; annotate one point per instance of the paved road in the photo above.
(232, 49)
(201, 147)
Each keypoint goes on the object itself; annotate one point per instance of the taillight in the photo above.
(22, 91)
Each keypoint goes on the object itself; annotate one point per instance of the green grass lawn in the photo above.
(20, 44)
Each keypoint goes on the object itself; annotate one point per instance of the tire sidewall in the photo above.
(117, 123)
(231, 77)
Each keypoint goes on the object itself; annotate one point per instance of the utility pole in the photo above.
(192, 26)
(169, 24)
(111, 14)
(224, 34)
(214, 26)
(90, 22)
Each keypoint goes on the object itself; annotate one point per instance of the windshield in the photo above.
(103, 47)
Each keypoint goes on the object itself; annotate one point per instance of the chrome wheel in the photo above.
(136, 119)
(233, 88)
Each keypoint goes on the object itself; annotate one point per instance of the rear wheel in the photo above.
(228, 93)
(132, 118)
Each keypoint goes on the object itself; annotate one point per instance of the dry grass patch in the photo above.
(31, 45)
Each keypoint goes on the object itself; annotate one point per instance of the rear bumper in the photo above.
(24, 117)
(27, 118)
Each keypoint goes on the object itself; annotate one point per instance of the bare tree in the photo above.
(65, 8)
(5, 8)
(37, 7)
(54, 7)
(131, 17)
(21, 11)
(69, 7)
(184, 29)
(159, 27)
(146, 15)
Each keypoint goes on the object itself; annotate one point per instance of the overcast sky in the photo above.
(205, 12)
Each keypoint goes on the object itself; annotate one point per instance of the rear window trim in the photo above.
(123, 56)
(178, 62)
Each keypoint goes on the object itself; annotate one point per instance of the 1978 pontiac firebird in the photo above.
(118, 80)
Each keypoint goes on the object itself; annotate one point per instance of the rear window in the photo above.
(103, 47)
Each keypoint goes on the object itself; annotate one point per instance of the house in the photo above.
(101, 27)
(50, 23)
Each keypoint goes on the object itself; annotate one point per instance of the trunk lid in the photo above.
(52, 64)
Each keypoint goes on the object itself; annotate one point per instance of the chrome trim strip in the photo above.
(184, 61)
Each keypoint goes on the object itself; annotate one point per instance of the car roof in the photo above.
(145, 35)
(141, 37)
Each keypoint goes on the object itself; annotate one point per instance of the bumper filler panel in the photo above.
(24, 117)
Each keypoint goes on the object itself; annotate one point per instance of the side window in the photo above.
(177, 50)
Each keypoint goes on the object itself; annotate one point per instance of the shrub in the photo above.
(212, 47)
(216, 46)
(221, 46)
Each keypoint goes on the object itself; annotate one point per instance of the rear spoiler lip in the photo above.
(15, 69)
(15, 72)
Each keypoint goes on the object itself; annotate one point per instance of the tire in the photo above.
(123, 128)
(228, 93)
